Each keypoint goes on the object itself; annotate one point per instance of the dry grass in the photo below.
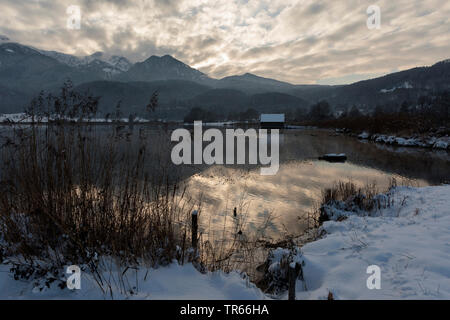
(237, 246)
(73, 192)
(353, 198)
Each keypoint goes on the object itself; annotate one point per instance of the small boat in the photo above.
(332, 157)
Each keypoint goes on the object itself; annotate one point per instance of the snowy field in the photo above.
(409, 241)
(174, 282)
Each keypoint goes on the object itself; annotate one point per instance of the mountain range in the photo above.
(24, 71)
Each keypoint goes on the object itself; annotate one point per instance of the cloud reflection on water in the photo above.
(289, 194)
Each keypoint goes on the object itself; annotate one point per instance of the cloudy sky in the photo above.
(300, 41)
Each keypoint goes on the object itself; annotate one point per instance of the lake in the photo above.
(295, 190)
(280, 202)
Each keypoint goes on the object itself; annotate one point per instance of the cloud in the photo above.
(300, 41)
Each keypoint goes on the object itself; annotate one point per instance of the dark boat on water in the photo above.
(332, 157)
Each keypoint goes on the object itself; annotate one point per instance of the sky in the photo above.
(298, 41)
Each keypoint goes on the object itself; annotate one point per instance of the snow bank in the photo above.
(424, 142)
(174, 282)
(442, 143)
(216, 124)
(409, 241)
(23, 118)
(14, 117)
(364, 135)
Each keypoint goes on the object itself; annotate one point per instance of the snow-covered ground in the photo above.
(409, 241)
(424, 142)
(23, 118)
(174, 282)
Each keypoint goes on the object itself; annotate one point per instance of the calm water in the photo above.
(297, 186)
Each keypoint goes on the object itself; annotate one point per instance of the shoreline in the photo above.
(429, 142)
(335, 263)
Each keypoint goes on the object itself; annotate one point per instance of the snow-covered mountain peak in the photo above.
(164, 68)
(113, 64)
(121, 63)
